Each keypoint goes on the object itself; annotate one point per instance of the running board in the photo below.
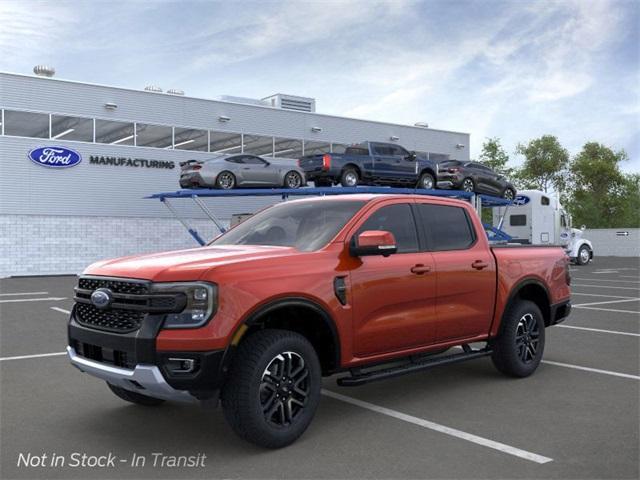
(360, 378)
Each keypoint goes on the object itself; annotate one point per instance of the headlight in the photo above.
(201, 303)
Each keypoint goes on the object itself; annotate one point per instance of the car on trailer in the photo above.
(474, 177)
(241, 170)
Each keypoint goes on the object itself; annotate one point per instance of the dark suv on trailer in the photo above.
(474, 177)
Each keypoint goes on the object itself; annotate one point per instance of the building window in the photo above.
(114, 133)
(190, 139)
(315, 148)
(287, 148)
(26, 124)
(225, 142)
(258, 145)
(71, 128)
(157, 136)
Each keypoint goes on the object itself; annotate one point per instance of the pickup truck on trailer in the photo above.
(369, 286)
(371, 163)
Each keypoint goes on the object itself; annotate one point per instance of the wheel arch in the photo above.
(302, 316)
(531, 289)
(354, 166)
(430, 171)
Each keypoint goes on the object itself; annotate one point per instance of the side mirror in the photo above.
(373, 242)
(412, 156)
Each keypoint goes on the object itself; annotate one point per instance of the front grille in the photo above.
(116, 286)
(115, 320)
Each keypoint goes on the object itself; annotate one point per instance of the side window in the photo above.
(399, 151)
(235, 159)
(398, 220)
(447, 228)
(251, 160)
(544, 200)
(517, 220)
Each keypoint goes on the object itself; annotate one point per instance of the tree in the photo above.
(544, 165)
(601, 196)
(495, 157)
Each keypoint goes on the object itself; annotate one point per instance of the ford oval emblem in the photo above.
(55, 157)
(102, 298)
(521, 200)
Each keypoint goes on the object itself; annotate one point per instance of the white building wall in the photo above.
(613, 241)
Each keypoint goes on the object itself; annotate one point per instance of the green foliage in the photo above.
(545, 164)
(495, 157)
(600, 195)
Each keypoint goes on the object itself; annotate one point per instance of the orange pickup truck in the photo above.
(366, 286)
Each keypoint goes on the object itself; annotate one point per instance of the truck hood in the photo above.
(183, 265)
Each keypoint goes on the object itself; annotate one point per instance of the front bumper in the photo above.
(144, 379)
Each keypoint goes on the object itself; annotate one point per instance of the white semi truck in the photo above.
(537, 218)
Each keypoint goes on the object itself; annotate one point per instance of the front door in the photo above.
(466, 272)
(257, 171)
(393, 297)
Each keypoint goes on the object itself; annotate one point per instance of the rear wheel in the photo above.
(508, 194)
(226, 180)
(468, 185)
(584, 255)
(134, 397)
(349, 178)
(518, 350)
(426, 181)
(273, 388)
(293, 179)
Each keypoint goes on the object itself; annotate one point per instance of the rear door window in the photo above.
(446, 227)
(397, 219)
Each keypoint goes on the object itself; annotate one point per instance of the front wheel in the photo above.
(584, 255)
(293, 179)
(426, 181)
(509, 194)
(518, 350)
(468, 185)
(273, 388)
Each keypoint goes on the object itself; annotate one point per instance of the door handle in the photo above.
(419, 269)
(479, 264)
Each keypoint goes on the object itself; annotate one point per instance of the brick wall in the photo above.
(47, 245)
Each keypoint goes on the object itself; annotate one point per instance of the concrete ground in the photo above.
(577, 417)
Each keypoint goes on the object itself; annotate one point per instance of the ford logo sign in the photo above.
(102, 298)
(521, 200)
(55, 157)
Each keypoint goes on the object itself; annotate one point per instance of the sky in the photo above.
(514, 70)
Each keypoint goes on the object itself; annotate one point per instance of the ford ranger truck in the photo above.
(371, 163)
(365, 286)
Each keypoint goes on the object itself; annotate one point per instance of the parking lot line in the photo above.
(599, 330)
(605, 302)
(485, 442)
(22, 293)
(628, 276)
(607, 280)
(594, 370)
(609, 310)
(605, 286)
(39, 355)
(61, 310)
(598, 295)
(48, 299)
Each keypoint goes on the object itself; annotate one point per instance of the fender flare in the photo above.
(517, 289)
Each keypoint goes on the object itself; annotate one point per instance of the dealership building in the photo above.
(127, 144)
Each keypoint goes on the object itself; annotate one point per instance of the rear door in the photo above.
(394, 296)
(465, 270)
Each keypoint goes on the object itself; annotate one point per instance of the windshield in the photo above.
(306, 226)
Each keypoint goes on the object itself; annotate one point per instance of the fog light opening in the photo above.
(181, 365)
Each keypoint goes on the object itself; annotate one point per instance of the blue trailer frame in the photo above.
(477, 200)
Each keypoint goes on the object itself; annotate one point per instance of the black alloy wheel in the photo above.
(468, 185)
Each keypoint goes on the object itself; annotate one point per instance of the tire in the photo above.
(427, 182)
(292, 180)
(349, 177)
(508, 194)
(468, 185)
(255, 380)
(225, 180)
(518, 350)
(134, 397)
(584, 255)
